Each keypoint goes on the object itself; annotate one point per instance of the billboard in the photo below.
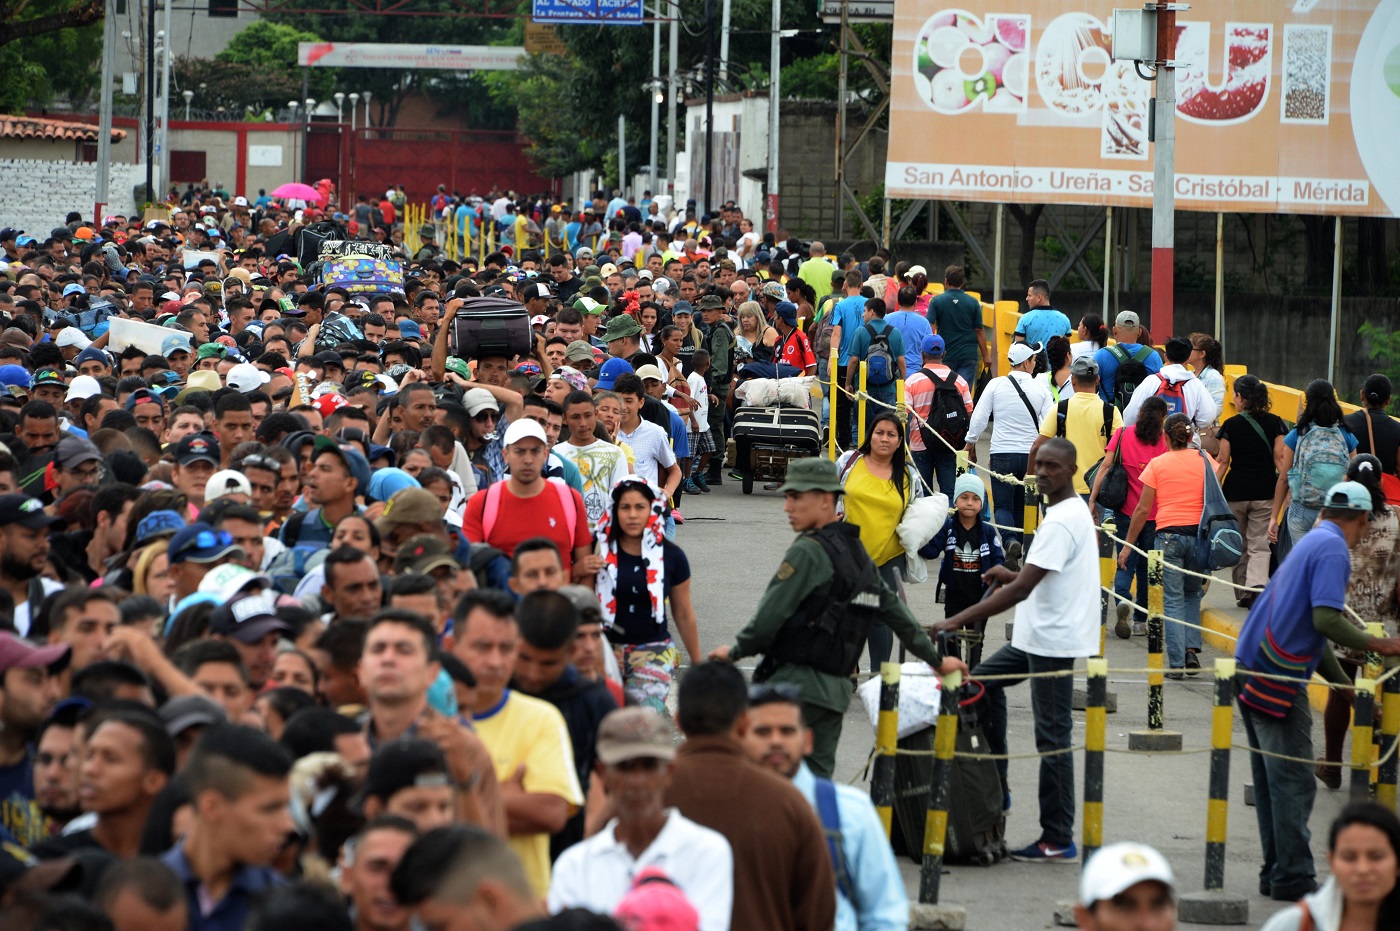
(596, 12)
(405, 57)
(1283, 106)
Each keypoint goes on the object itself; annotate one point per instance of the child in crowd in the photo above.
(970, 547)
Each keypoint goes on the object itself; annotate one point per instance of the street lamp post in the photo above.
(354, 105)
(339, 99)
(367, 95)
(306, 137)
(188, 95)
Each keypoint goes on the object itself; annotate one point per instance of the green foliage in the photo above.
(270, 50)
(60, 63)
(814, 78)
(238, 88)
(1385, 350)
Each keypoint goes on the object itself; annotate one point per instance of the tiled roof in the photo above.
(29, 127)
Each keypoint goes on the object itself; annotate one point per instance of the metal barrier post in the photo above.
(1362, 729)
(1390, 726)
(886, 742)
(1030, 520)
(961, 467)
(1108, 568)
(832, 419)
(1095, 737)
(1214, 906)
(899, 407)
(864, 384)
(936, 821)
(1155, 737)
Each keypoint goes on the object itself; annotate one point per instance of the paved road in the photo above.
(735, 543)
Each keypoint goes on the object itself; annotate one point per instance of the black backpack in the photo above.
(947, 414)
(1132, 371)
(1062, 410)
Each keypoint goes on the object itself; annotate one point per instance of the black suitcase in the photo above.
(765, 438)
(491, 326)
(976, 820)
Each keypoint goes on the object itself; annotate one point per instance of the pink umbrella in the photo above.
(296, 191)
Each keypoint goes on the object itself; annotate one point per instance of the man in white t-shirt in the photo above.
(601, 464)
(1056, 596)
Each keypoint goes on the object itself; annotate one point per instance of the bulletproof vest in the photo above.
(829, 628)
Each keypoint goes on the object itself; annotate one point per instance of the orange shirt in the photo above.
(1178, 477)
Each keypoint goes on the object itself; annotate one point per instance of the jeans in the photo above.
(1054, 728)
(1137, 565)
(968, 371)
(1283, 795)
(1181, 595)
(880, 639)
(1298, 522)
(1009, 501)
(940, 464)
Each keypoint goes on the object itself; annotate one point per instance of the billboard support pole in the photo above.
(841, 121)
(997, 253)
(1107, 258)
(1164, 176)
(1220, 276)
(1334, 325)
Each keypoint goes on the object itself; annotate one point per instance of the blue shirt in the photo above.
(1279, 636)
(231, 912)
(881, 903)
(680, 437)
(912, 327)
(1042, 323)
(848, 314)
(1108, 367)
(860, 348)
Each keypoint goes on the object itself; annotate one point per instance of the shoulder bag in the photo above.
(1390, 484)
(1219, 544)
(1113, 491)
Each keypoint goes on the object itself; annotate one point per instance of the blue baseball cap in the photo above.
(611, 370)
(158, 524)
(355, 462)
(1348, 496)
(175, 342)
(92, 354)
(409, 329)
(14, 376)
(73, 288)
(201, 543)
(788, 311)
(932, 345)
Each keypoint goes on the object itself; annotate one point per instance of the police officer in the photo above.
(812, 620)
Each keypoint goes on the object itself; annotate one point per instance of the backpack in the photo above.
(1219, 543)
(879, 360)
(491, 508)
(1062, 411)
(830, 817)
(1319, 462)
(1172, 393)
(820, 337)
(947, 414)
(1132, 371)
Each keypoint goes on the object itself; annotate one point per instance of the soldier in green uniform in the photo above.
(811, 623)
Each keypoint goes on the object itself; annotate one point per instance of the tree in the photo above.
(238, 88)
(58, 56)
(270, 50)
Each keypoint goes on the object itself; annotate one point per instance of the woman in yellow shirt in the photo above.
(879, 481)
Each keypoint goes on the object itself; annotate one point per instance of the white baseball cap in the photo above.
(524, 429)
(82, 388)
(227, 482)
(246, 377)
(72, 336)
(1118, 867)
(1020, 352)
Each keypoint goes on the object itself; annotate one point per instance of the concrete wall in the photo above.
(222, 148)
(36, 195)
(46, 150)
(807, 169)
(740, 154)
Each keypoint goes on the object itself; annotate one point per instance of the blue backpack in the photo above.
(879, 360)
(831, 827)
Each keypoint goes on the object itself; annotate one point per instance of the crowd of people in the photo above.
(313, 617)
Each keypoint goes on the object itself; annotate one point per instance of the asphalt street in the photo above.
(735, 543)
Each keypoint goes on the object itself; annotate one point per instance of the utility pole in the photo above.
(166, 63)
(774, 96)
(104, 119)
(150, 99)
(724, 41)
(1164, 175)
(652, 173)
(673, 91)
(709, 106)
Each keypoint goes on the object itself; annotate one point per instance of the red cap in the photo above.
(21, 654)
(328, 404)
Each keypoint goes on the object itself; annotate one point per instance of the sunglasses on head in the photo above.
(778, 691)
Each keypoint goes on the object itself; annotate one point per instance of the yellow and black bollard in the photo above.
(1108, 568)
(1095, 738)
(1362, 728)
(1214, 906)
(863, 384)
(1156, 737)
(886, 744)
(1390, 725)
(936, 822)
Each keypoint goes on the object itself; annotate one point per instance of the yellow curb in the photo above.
(1221, 631)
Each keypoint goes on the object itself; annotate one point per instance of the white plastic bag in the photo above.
(922, 520)
(919, 698)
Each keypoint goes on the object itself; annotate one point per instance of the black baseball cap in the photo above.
(247, 618)
(197, 447)
(404, 764)
(26, 511)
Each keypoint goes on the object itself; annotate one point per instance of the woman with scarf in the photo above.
(641, 570)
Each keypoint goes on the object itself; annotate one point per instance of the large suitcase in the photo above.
(766, 438)
(360, 274)
(976, 819)
(491, 326)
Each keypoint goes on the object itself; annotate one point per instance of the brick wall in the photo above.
(36, 195)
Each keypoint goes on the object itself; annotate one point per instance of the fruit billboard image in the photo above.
(1288, 106)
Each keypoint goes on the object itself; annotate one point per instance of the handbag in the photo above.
(1113, 491)
(1219, 543)
(1390, 484)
